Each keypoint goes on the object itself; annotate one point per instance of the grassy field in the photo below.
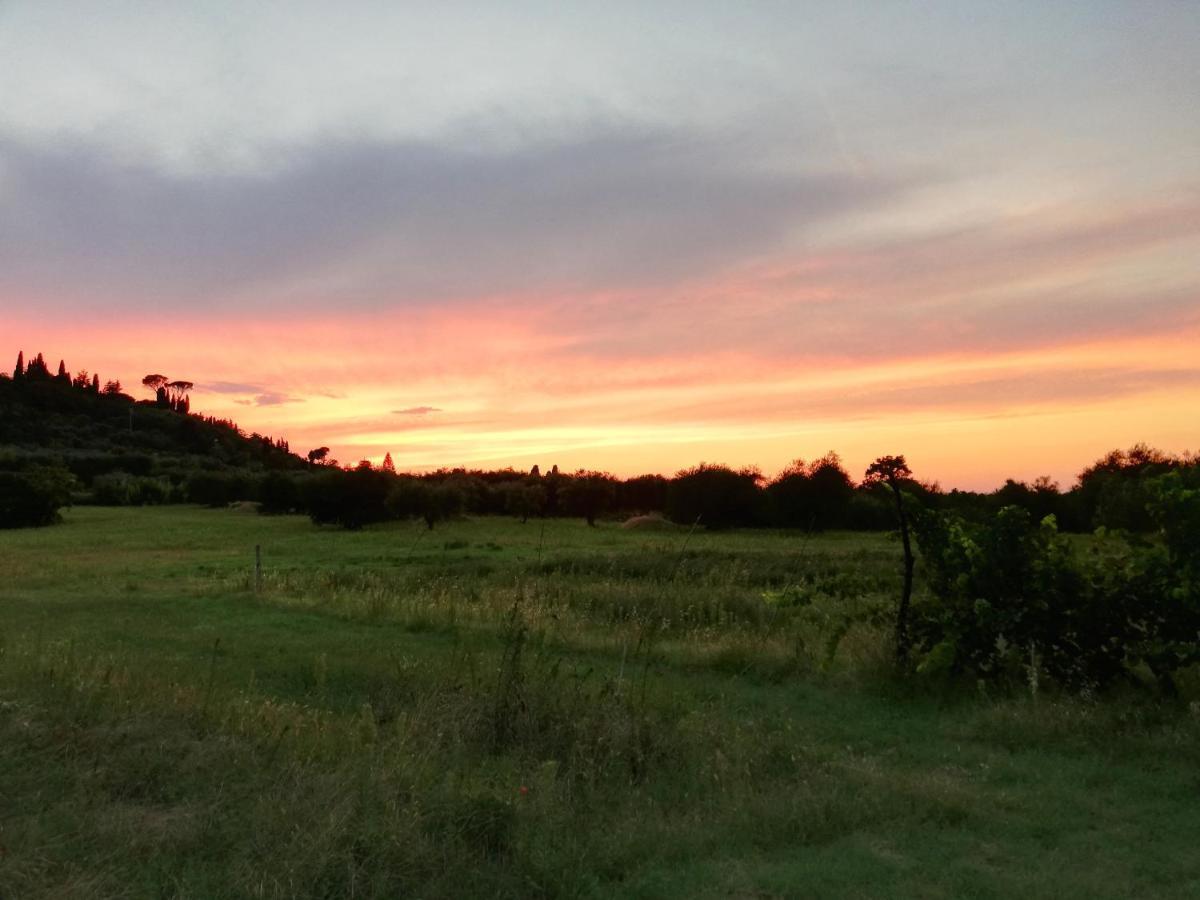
(497, 709)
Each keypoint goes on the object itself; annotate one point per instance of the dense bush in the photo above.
(643, 494)
(717, 496)
(1011, 598)
(587, 495)
(33, 496)
(523, 499)
(869, 510)
(123, 489)
(218, 488)
(351, 499)
(815, 496)
(1115, 492)
(412, 498)
(279, 493)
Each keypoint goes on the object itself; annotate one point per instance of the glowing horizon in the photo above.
(632, 239)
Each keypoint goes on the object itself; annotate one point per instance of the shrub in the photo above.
(1167, 623)
(278, 493)
(33, 497)
(413, 498)
(349, 499)
(716, 495)
(815, 495)
(523, 500)
(587, 494)
(123, 489)
(1009, 595)
(217, 489)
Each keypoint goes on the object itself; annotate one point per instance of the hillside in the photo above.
(93, 430)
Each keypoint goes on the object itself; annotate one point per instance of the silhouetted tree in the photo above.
(643, 494)
(63, 375)
(82, 380)
(1041, 499)
(892, 471)
(278, 493)
(37, 369)
(816, 495)
(19, 371)
(523, 499)
(112, 387)
(587, 494)
(157, 385)
(33, 497)
(432, 501)
(553, 483)
(178, 395)
(350, 499)
(318, 456)
(387, 465)
(94, 387)
(716, 495)
(1112, 492)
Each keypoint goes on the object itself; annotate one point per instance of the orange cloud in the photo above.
(508, 391)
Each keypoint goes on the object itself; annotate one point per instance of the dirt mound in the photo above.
(649, 523)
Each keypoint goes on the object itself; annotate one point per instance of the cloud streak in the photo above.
(387, 224)
(625, 236)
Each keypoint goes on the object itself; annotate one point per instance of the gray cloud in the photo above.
(275, 399)
(964, 289)
(231, 387)
(370, 224)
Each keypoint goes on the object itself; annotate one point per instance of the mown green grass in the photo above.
(494, 709)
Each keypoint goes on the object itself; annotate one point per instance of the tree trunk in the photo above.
(903, 641)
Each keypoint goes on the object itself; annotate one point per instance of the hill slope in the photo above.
(45, 418)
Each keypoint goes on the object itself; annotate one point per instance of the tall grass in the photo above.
(463, 718)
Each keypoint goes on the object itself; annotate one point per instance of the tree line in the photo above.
(818, 495)
(1006, 596)
(164, 454)
(68, 438)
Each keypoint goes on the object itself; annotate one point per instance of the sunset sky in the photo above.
(624, 236)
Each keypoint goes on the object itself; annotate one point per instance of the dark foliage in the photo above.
(717, 496)
(643, 494)
(1114, 491)
(279, 493)
(32, 496)
(587, 495)
(893, 472)
(523, 498)
(815, 496)
(350, 499)
(1011, 599)
(123, 489)
(218, 488)
(432, 501)
(151, 451)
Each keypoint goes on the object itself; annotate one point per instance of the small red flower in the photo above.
(524, 790)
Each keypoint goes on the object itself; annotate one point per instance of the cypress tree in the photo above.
(63, 374)
(96, 384)
(19, 371)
